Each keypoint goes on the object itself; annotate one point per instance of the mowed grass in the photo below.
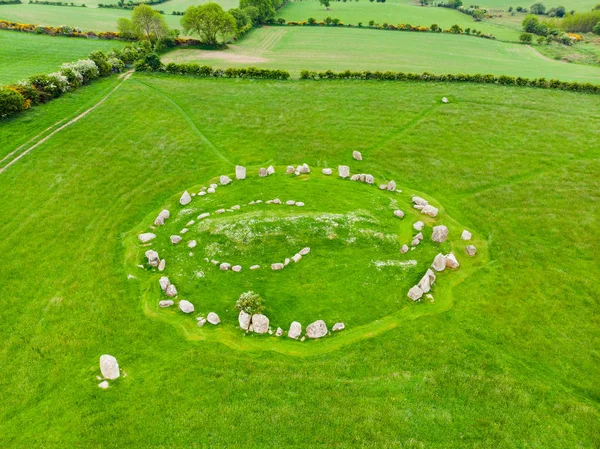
(311, 48)
(16, 50)
(392, 12)
(513, 362)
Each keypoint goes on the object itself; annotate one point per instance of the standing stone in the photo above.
(186, 306)
(355, 177)
(398, 213)
(279, 332)
(304, 251)
(419, 225)
(419, 201)
(171, 291)
(466, 235)
(445, 100)
(236, 268)
(164, 283)
(213, 318)
(260, 323)
(262, 172)
(427, 281)
(211, 190)
(451, 261)
(277, 266)
(175, 239)
(224, 180)
(404, 249)
(290, 170)
(109, 367)
(244, 320)
(201, 322)
(270, 170)
(327, 171)
(152, 256)
(391, 185)
(295, 330)
(162, 216)
(370, 179)
(255, 267)
(356, 155)
(166, 303)
(162, 264)
(192, 244)
(344, 171)
(103, 385)
(430, 210)
(186, 198)
(296, 258)
(304, 168)
(415, 242)
(240, 172)
(290, 202)
(415, 293)
(440, 234)
(419, 236)
(225, 266)
(362, 177)
(317, 329)
(338, 327)
(439, 263)
(471, 250)
(146, 237)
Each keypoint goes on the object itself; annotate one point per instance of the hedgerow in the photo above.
(208, 72)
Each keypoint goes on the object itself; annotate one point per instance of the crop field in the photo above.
(298, 48)
(17, 50)
(502, 355)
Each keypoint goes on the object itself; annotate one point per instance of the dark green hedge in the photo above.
(207, 71)
(463, 78)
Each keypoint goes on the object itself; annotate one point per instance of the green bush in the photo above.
(11, 102)
(101, 61)
(596, 29)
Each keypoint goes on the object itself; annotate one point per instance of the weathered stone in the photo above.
(451, 261)
(152, 256)
(440, 234)
(290, 202)
(445, 100)
(270, 170)
(277, 266)
(244, 320)
(236, 207)
(382, 186)
(109, 367)
(171, 291)
(201, 193)
(466, 235)
(304, 251)
(255, 267)
(404, 249)
(201, 322)
(286, 262)
(317, 329)
(162, 264)
(276, 201)
(419, 225)
(303, 169)
(240, 172)
(279, 332)
(220, 211)
(296, 257)
(430, 210)
(186, 306)
(211, 190)
(186, 198)
(225, 266)
(370, 179)
(164, 283)
(398, 213)
(419, 201)
(356, 155)
(190, 223)
(295, 330)
(162, 216)
(262, 172)
(213, 318)
(236, 268)
(338, 327)
(260, 323)
(391, 185)
(299, 204)
(290, 169)
(166, 303)
(362, 177)
(192, 244)
(439, 263)
(427, 281)
(415, 242)
(224, 180)
(146, 237)
(418, 206)
(203, 215)
(355, 177)
(471, 250)
(184, 230)
(103, 385)
(419, 236)
(344, 171)
(175, 239)
(415, 293)
(327, 171)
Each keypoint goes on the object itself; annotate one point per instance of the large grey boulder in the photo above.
(427, 281)
(344, 171)
(153, 259)
(244, 320)
(451, 261)
(146, 237)
(439, 263)
(171, 291)
(186, 306)
(415, 293)
(260, 323)
(440, 234)
(317, 329)
(240, 172)
(186, 198)
(109, 367)
(295, 330)
(213, 318)
(430, 210)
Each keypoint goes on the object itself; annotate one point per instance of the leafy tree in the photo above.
(312, 21)
(371, 23)
(526, 38)
(126, 28)
(152, 60)
(530, 23)
(250, 302)
(252, 13)
(208, 21)
(266, 11)
(596, 29)
(328, 20)
(538, 8)
(541, 40)
(325, 3)
(519, 8)
(435, 27)
(456, 29)
(101, 61)
(560, 11)
(510, 9)
(148, 23)
(241, 17)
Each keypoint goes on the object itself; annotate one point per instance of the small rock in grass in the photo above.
(166, 303)
(244, 320)
(440, 234)
(186, 198)
(260, 323)
(451, 261)
(415, 242)
(171, 291)
(466, 235)
(391, 186)
(213, 318)
(279, 332)
(296, 257)
(109, 367)
(201, 322)
(240, 172)
(224, 266)
(162, 216)
(162, 264)
(419, 201)
(304, 168)
(418, 206)
(286, 262)
(299, 204)
(224, 180)
(164, 283)
(430, 210)
(270, 170)
(382, 186)
(186, 306)
(290, 170)
(290, 202)
(427, 281)
(338, 327)
(236, 268)
(211, 190)
(356, 155)
(415, 293)
(255, 267)
(355, 177)
(419, 225)
(439, 263)
(419, 236)
(153, 259)
(184, 230)
(175, 239)
(445, 100)
(190, 223)
(103, 385)
(236, 207)
(317, 329)
(146, 237)
(362, 177)
(277, 266)
(262, 172)
(404, 249)
(471, 250)
(398, 213)
(295, 330)
(192, 244)
(203, 215)
(343, 171)
(220, 211)
(201, 193)
(304, 251)
(370, 179)
(327, 171)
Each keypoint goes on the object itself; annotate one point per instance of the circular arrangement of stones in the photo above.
(169, 297)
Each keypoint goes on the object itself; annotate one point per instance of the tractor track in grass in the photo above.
(125, 77)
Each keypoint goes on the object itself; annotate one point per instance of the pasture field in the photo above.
(315, 48)
(393, 12)
(25, 54)
(510, 360)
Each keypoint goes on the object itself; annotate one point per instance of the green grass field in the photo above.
(297, 48)
(16, 50)
(511, 361)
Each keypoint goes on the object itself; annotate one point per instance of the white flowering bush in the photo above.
(59, 81)
(85, 67)
(117, 65)
(75, 78)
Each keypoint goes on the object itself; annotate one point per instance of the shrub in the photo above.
(526, 38)
(538, 8)
(596, 29)
(11, 102)
(74, 78)
(530, 23)
(250, 302)
(86, 67)
(152, 60)
(101, 61)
